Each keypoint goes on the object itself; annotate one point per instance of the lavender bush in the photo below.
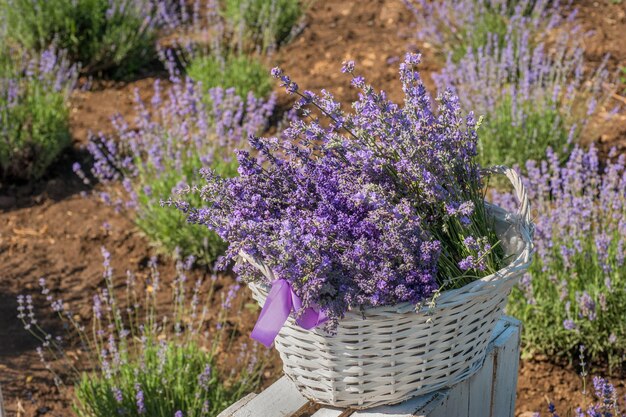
(453, 27)
(163, 151)
(256, 27)
(375, 207)
(145, 357)
(116, 36)
(213, 51)
(266, 24)
(574, 293)
(532, 97)
(34, 111)
(244, 74)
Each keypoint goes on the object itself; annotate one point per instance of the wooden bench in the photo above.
(488, 393)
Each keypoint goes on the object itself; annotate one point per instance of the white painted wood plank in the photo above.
(329, 412)
(281, 399)
(233, 407)
(512, 321)
(506, 365)
(441, 397)
(504, 348)
(457, 403)
(501, 325)
(415, 407)
(480, 389)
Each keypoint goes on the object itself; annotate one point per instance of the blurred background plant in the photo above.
(622, 78)
(147, 356)
(531, 97)
(227, 44)
(34, 110)
(454, 27)
(162, 153)
(244, 74)
(116, 37)
(574, 294)
(265, 24)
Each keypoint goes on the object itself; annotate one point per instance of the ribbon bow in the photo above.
(280, 302)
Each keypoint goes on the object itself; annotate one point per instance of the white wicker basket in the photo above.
(386, 355)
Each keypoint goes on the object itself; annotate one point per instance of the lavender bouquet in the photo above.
(375, 207)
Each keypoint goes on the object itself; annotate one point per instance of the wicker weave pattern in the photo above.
(386, 355)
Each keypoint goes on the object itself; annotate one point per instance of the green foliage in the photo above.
(158, 159)
(545, 311)
(575, 291)
(147, 357)
(265, 23)
(34, 113)
(240, 72)
(491, 23)
(169, 378)
(456, 27)
(531, 98)
(507, 139)
(116, 36)
(169, 227)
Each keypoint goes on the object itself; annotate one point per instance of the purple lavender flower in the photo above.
(20, 307)
(552, 410)
(117, 394)
(97, 307)
(204, 379)
(467, 263)
(141, 409)
(605, 405)
(57, 306)
(569, 324)
(586, 305)
(138, 359)
(347, 67)
(232, 292)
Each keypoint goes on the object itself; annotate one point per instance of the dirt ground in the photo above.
(48, 229)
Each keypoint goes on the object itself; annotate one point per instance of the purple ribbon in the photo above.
(280, 302)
